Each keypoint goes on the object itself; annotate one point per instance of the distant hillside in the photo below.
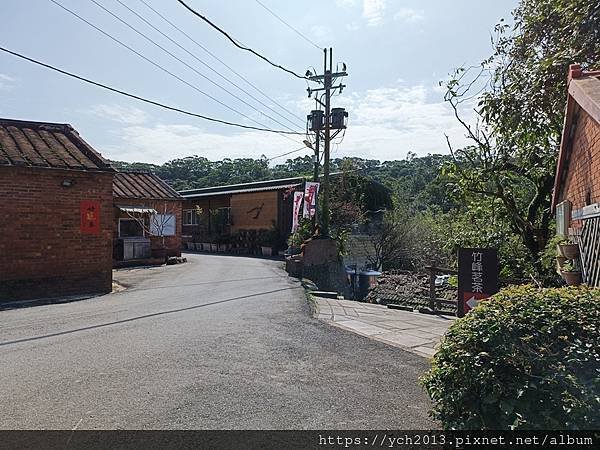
(415, 179)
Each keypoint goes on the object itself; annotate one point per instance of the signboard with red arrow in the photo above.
(477, 277)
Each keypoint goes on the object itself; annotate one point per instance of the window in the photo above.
(190, 217)
(130, 228)
(563, 217)
(222, 219)
(162, 224)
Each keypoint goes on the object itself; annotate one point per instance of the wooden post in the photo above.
(431, 270)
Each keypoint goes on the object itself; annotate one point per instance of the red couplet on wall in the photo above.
(90, 216)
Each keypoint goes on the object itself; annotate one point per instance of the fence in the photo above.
(589, 250)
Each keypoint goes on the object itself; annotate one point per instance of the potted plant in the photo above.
(267, 240)
(568, 249)
(298, 237)
(222, 243)
(206, 243)
(571, 274)
(561, 260)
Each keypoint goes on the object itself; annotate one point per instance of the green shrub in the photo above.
(527, 358)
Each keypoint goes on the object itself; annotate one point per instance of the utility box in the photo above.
(366, 280)
(339, 118)
(315, 120)
(135, 248)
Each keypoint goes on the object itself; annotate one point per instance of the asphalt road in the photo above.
(219, 342)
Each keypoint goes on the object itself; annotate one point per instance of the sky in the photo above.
(396, 53)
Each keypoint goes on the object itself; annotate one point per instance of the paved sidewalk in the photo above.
(418, 333)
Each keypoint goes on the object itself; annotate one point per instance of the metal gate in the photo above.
(589, 249)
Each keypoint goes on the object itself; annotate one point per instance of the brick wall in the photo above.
(582, 183)
(172, 243)
(42, 250)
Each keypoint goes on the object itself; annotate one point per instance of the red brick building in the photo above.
(576, 196)
(147, 217)
(55, 213)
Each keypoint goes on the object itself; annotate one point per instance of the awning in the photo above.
(136, 209)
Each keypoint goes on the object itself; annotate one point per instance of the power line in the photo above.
(242, 47)
(197, 59)
(187, 83)
(288, 25)
(288, 153)
(142, 99)
(220, 60)
(182, 61)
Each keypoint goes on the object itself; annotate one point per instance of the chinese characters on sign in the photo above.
(310, 199)
(298, 196)
(90, 216)
(477, 273)
(477, 277)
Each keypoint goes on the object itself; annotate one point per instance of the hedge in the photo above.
(527, 358)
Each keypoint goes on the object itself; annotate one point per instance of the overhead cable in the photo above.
(236, 43)
(158, 66)
(198, 44)
(187, 65)
(288, 25)
(141, 99)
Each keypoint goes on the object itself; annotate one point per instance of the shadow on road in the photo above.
(199, 283)
(145, 316)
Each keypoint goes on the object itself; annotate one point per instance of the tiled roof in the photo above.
(49, 145)
(584, 93)
(257, 186)
(138, 184)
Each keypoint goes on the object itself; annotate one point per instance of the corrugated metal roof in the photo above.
(46, 145)
(257, 186)
(142, 185)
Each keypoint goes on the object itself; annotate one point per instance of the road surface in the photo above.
(217, 343)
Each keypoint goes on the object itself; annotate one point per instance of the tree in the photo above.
(519, 114)
(159, 224)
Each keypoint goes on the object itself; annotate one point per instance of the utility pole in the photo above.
(326, 144)
(317, 158)
(316, 176)
(333, 119)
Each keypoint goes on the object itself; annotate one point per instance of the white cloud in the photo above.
(373, 11)
(409, 15)
(322, 33)
(387, 122)
(6, 82)
(164, 142)
(127, 115)
(345, 3)
(352, 26)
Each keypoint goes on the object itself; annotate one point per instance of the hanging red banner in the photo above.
(298, 196)
(90, 216)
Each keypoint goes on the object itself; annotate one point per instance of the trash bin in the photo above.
(352, 275)
(366, 279)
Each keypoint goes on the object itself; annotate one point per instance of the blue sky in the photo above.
(396, 52)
